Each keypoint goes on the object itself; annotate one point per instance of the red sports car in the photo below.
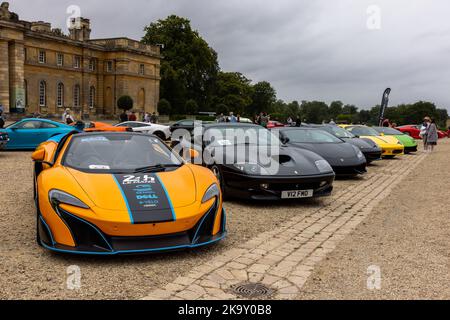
(414, 131)
(275, 124)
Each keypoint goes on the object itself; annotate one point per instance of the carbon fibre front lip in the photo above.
(194, 243)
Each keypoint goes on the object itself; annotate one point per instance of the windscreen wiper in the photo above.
(156, 168)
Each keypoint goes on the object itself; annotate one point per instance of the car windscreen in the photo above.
(229, 136)
(338, 132)
(117, 152)
(363, 131)
(388, 131)
(310, 136)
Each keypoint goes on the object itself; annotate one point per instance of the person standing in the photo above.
(2, 120)
(63, 118)
(220, 118)
(154, 118)
(132, 116)
(68, 118)
(332, 122)
(123, 117)
(233, 118)
(423, 132)
(2, 108)
(432, 136)
(264, 120)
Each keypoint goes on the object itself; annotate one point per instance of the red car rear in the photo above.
(275, 124)
(414, 131)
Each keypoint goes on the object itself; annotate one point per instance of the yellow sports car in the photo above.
(122, 193)
(390, 145)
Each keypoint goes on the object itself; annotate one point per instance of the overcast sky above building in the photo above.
(309, 50)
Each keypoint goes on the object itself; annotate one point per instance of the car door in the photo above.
(47, 130)
(25, 134)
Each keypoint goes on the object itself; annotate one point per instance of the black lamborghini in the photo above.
(251, 163)
(344, 158)
(370, 149)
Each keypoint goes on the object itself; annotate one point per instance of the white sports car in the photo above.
(161, 131)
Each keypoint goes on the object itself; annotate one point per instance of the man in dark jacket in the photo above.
(123, 117)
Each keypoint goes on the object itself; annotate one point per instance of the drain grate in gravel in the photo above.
(252, 290)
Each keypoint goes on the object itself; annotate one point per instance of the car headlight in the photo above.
(250, 168)
(323, 166)
(359, 154)
(58, 196)
(212, 192)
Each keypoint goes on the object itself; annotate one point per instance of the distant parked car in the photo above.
(161, 131)
(275, 124)
(27, 134)
(370, 149)
(100, 126)
(414, 131)
(409, 142)
(3, 140)
(344, 158)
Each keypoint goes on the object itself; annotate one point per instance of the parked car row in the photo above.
(107, 190)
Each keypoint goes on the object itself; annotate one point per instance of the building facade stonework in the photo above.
(43, 70)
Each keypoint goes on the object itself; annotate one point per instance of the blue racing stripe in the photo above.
(168, 198)
(124, 199)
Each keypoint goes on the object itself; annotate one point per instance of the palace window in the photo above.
(92, 97)
(92, 65)
(60, 95)
(42, 56)
(42, 94)
(76, 96)
(142, 69)
(109, 66)
(77, 62)
(60, 59)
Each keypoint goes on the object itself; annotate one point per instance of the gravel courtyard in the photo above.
(406, 235)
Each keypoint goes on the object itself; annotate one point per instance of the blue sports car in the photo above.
(29, 133)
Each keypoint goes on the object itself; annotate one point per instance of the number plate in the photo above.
(297, 194)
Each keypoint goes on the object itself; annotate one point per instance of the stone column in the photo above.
(16, 76)
(100, 87)
(4, 74)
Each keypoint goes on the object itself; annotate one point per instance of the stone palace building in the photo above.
(43, 70)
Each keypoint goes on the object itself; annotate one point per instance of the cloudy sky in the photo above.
(349, 50)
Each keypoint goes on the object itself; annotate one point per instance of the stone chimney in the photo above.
(41, 26)
(80, 29)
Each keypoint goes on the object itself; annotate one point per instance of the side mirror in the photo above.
(194, 154)
(38, 155)
(382, 134)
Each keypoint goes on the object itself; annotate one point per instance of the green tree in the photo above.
(191, 107)
(234, 91)
(190, 66)
(335, 109)
(314, 111)
(263, 98)
(164, 107)
(293, 109)
(364, 116)
(349, 109)
(125, 103)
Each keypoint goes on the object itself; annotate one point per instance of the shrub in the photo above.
(164, 107)
(191, 107)
(125, 103)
